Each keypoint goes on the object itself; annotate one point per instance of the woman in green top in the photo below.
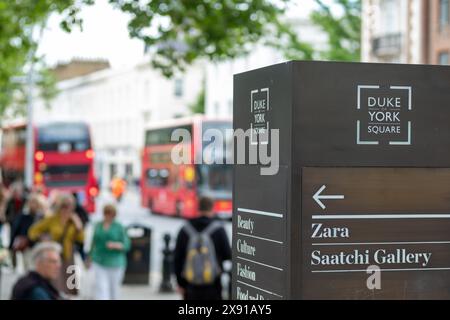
(108, 255)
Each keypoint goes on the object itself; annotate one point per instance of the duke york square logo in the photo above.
(384, 115)
(259, 107)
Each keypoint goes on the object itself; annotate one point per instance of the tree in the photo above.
(285, 39)
(19, 21)
(176, 32)
(341, 21)
(198, 106)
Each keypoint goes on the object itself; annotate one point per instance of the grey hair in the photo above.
(41, 248)
(17, 186)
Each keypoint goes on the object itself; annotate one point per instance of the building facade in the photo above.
(439, 36)
(406, 31)
(118, 105)
(393, 31)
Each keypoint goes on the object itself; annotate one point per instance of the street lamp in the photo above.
(29, 81)
(29, 163)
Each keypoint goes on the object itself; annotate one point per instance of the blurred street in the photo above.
(121, 120)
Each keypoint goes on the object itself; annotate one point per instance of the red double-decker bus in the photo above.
(174, 189)
(63, 159)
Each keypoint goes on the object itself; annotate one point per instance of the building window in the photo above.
(444, 13)
(444, 58)
(178, 87)
(112, 170)
(129, 171)
(389, 17)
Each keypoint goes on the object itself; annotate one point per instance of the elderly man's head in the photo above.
(47, 259)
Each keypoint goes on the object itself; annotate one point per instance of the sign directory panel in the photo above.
(396, 219)
(358, 206)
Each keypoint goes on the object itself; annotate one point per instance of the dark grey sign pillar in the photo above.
(363, 182)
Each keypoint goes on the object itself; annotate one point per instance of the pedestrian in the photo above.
(65, 228)
(202, 246)
(118, 187)
(15, 202)
(38, 191)
(108, 254)
(32, 213)
(80, 210)
(13, 208)
(43, 204)
(53, 200)
(84, 217)
(37, 284)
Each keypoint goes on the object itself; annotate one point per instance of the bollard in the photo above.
(166, 283)
(228, 270)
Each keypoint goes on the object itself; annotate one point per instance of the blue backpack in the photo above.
(201, 267)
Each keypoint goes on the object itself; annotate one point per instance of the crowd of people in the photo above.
(48, 232)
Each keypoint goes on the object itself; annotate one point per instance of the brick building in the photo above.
(406, 31)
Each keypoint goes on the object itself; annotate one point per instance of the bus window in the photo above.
(158, 178)
(13, 138)
(22, 137)
(216, 155)
(12, 154)
(63, 137)
(163, 136)
(215, 177)
(164, 176)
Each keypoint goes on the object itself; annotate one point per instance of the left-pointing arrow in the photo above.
(317, 197)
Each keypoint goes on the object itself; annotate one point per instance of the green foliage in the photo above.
(286, 40)
(198, 107)
(19, 21)
(44, 83)
(342, 24)
(181, 31)
(176, 32)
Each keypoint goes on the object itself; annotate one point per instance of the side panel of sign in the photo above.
(259, 235)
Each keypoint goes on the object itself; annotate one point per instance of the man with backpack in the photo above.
(201, 248)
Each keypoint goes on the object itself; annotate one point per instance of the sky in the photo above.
(105, 36)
